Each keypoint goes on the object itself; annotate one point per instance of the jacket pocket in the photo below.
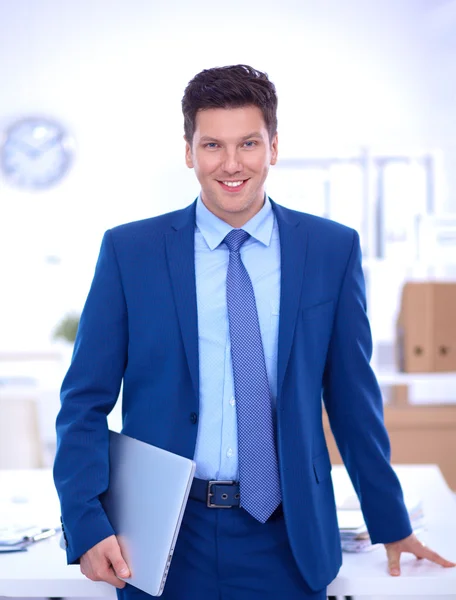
(322, 467)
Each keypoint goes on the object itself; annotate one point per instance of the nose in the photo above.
(231, 162)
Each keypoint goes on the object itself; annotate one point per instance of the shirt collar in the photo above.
(214, 230)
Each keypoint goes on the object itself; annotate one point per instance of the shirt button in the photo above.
(193, 418)
(229, 452)
(232, 401)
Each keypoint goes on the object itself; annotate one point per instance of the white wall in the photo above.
(348, 73)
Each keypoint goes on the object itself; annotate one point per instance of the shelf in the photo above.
(406, 264)
(396, 378)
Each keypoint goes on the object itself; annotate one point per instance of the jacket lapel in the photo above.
(293, 249)
(180, 251)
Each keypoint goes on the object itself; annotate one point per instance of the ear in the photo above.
(274, 149)
(188, 154)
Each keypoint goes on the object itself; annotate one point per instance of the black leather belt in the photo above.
(216, 494)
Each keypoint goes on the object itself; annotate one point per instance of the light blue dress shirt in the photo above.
(216, 454)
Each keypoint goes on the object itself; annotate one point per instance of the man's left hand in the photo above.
(411, 545)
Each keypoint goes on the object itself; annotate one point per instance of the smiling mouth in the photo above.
(233, 186)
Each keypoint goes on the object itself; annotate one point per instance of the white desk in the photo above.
(42, 570)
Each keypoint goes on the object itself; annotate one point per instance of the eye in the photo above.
(250, 144)
(211, 145)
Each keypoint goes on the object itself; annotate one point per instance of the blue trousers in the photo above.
(225, 554)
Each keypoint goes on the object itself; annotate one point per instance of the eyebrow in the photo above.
(255, 134)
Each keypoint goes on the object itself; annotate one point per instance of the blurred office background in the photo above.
(367, 129)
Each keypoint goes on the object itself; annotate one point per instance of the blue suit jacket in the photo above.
(139, 324)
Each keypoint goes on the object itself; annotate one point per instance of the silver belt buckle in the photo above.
(210, 494)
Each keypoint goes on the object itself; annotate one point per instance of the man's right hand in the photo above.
(104, 562)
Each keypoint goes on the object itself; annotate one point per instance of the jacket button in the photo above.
(193, 418)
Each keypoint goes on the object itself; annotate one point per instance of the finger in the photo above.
(117, 561)
(119, 566)
(108, 576)
(393, 562)
(114, 580)
(429, 554)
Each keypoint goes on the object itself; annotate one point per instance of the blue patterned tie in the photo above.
(258, 466)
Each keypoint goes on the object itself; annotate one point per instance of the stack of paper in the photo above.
(18, 524)
(353, 531)
(17, 538)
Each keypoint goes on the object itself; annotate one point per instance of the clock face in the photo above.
(36, 154)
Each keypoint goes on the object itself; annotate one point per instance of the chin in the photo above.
(235, 208)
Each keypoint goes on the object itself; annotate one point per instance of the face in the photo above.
(231, 154)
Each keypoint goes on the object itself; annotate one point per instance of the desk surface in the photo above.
(42, 570)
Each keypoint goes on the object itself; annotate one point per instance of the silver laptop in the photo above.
(145, 502)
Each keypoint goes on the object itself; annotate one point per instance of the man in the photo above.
(183, 309)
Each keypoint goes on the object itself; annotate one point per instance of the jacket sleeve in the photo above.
(355, 409)
(88, 394)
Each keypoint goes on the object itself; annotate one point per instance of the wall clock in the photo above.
(36, 153)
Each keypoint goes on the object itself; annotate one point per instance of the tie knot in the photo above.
(235, 239)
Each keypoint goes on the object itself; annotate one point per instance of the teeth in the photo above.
(233, 183)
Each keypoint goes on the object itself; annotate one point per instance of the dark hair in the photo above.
(229, 87)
